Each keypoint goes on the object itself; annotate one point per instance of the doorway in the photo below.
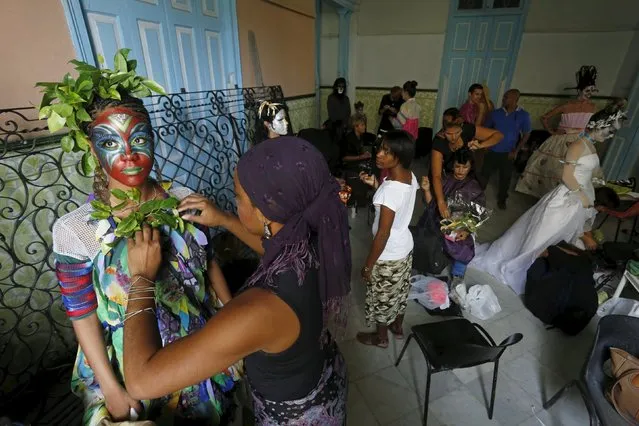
(482, 43)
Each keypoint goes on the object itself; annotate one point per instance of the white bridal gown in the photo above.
(558, 216)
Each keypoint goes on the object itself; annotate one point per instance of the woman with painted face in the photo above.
(96, 283)
(564, 214)
(339, 107)
(544, 168)
(287, 197)
(271, 121)
(387, 267)
(462, 183)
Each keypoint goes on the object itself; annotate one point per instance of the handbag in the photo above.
(624, 393)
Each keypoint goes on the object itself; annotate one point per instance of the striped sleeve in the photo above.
(76, 286)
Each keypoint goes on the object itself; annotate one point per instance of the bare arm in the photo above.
(386, 218)
(487, 137)
(255, 320)
(436, 166)
(545, 119)
(218, 282)
(481, 115)
(89, 334)
(522, 142)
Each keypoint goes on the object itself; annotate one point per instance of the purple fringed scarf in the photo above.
(289, 181)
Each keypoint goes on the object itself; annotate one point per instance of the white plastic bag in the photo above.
(429, 292)
(482, 302)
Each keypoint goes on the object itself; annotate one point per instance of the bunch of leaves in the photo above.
(155, 213)
(64, 103)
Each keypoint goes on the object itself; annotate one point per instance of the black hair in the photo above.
(462, 156)
(401, 145)
(266, 111)
(607, 197)
(452, 112)
(586, 76)
(410, 87)
(358, 118)
(474, 87)
(338, 81)
(453, 123)
(97, 107)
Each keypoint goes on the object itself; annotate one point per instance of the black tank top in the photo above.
(293, 373)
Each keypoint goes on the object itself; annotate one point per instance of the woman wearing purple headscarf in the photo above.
(287, 196)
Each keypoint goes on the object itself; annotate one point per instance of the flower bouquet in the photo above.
(465, 217)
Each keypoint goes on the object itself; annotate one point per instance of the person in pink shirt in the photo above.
(474, 110)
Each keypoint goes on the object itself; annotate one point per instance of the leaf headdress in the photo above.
(64, 103)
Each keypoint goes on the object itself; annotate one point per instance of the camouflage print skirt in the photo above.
(387, 292)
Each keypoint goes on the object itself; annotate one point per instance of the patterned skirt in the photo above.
(544, 168)
(323, 406)
(387, 292)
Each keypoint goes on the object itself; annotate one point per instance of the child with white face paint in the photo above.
(271, 121)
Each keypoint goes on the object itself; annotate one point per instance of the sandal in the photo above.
(372, 339)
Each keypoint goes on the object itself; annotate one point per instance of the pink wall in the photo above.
(36, 46)
(285, 43)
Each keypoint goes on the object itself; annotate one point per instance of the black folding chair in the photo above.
(457, 343)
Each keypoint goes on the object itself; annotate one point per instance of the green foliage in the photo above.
(155, 213)
(64, 103)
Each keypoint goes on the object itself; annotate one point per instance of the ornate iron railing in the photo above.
(199, 138)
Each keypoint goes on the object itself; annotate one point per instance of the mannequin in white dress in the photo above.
(564, 214)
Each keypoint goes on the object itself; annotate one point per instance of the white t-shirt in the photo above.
(400, 198)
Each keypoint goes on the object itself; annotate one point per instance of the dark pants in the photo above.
(498, 161)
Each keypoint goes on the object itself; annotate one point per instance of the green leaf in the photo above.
(87, 163)
(64, 110)
(100, 215)
(114, 94)
(67, 143)
(71, 123)
(119, 62)
(46, 100)
(82, 114)
(73, 98)
(100, 59)
(85, 85)
(115, 79)
(55, 122)
(103, 93)
(125, 52)
(132, 64)
(180, 223)
(142, 92)
(83, 66)
(169, 203)
(125, 227)
(149, 206)
(120, 206)
(44, 112)
(119, 194)
(68, 81)
(46, 85)
(100, 206)
(134, 194)
(81, 140)
(152, 85)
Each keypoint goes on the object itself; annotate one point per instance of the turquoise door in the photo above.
(621, 159)
(186, 45)
(481, 46)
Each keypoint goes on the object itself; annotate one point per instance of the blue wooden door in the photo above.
(481, 47)
(621, 160)
(182, 44)
(186, 46)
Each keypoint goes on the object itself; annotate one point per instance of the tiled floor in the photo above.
(529, 373)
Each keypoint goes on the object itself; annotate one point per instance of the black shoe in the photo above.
(501, 205)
